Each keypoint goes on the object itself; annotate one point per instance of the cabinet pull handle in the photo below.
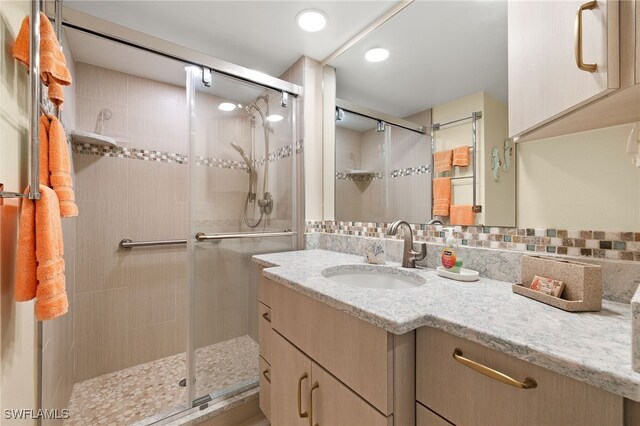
(314, 386)
(267, 316)
(578, 37)
(300, 413)
(266, 375)
(528, 383)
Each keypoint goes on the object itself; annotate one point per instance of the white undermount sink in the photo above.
(373, 276)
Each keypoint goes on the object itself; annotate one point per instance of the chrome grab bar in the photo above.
(127, 243)
(201, 236)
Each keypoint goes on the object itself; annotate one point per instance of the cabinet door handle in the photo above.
(300, 413)
(578, 37)
(314, 386)
(267, 375)
(528, 383)
(267, 316)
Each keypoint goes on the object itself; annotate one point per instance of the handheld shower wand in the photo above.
(253, 174)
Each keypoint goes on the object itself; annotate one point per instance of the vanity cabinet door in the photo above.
(469, 396)
(264, 331)
(357, 352)
(265, 387)
(545, 81)
(290, 383)
(333, 403)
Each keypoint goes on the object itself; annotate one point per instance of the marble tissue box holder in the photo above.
(374, 252)
(583, 283)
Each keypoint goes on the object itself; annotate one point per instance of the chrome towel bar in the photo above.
(127, 243)
(201, 236)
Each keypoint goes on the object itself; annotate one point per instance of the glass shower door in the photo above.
(242, 202)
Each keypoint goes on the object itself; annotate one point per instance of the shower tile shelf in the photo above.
(360, 174)
(82, 136)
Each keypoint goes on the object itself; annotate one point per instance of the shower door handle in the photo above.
(201, 236)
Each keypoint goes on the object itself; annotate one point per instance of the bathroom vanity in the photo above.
(435, 354)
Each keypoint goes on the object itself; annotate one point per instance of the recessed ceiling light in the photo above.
(312, 20)
(274, 118)
(226, 106)
(376, 55)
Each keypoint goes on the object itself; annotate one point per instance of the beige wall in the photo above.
(18, 344)
(580, 181)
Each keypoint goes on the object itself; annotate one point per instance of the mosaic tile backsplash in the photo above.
(595, 244)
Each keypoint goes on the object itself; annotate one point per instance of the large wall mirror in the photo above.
(446, 71)
(447, 66)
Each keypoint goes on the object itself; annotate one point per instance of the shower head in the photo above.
(244, 156)
(238, 148)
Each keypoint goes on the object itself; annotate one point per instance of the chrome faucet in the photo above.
(409, 256)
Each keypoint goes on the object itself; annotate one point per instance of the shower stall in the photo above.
(202, 177)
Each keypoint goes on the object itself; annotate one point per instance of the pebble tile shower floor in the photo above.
(136, 393)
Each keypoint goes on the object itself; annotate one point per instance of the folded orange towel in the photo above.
(53, 65)
(441, 196)
(462, 215)
(442, 160)
(461, 156)
(55, 164)
(60, 169)
(56, 94)
(40, 264)
(43, 135)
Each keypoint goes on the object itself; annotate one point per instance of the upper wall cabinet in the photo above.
(562, 55)
(572, 66)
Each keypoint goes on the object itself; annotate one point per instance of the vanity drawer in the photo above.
(265, 290)
(264, 331)
(426, 417)
(465, 396)
(344, 345)
(265, 388)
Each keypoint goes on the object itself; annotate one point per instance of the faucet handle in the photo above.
(417, 256)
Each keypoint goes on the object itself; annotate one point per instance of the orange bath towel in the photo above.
(40, 265)
(441, 196)
(60, 169)
(462, 215)
(53, 65)
(461, 156)
(442, 160)
(55, 164)
(56, 94)
(43, 134)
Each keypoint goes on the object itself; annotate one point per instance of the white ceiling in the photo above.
(260, 35)
(440, 51)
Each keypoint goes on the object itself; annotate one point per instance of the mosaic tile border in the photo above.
(595, 244)
(170, 157)
(129, 153)
(220, 163)
(408, 171)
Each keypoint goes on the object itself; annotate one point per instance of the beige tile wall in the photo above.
(132, 304)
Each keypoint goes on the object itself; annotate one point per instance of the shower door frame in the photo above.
(192, 74)
(108, 30)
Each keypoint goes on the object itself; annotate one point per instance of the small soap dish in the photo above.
(463, 275)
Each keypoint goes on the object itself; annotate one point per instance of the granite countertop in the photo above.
(593, 347)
